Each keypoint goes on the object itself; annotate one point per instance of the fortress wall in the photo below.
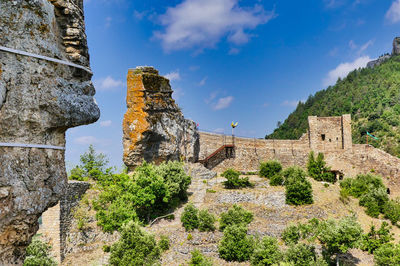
(249, 152)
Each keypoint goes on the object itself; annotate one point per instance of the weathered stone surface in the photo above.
(39, 101)
(396, 46)
(154, 128)
(199, 171)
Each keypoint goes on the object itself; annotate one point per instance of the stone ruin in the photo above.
(39, 101)
(154, 128)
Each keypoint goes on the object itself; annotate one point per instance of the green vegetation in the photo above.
(236, 215)
(298, 188)
(318, 170)
(38, 253)
(373, 196)
(236, 245)
(301, 254)
(266, 252)
(163, 244)
(198, 259)
(192, 218)
(135, 247)
(234, 181)
(149, 192)
(371, 96)
(375, 239)
(387, 255)
(269, 169)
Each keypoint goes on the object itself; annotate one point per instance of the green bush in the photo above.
(269, 169)
(361, 184)
(236, 215)
(291, 235)
(78, 174)
(374, 200)
(135, 247)
(38, 253)
(375, 239)
(150, 192)
(277, 180)
(234, 181)
(318, 170)
(387, 255)
(266, 252)
(301, 254)
(206, 221)
(298, 188)
(236, 245)
(163, 244)
(190, 217)
(198, 259)
(391, 211)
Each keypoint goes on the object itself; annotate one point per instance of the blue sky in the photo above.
(249, 61)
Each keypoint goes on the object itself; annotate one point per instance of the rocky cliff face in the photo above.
(396, 46)
(154, 128)
(383, 58)
(39, 101)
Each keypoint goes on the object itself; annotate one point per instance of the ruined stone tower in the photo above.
(154, 128)
(45, 88)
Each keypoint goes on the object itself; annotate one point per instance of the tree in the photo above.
(298, 188)
(301, 254)
(233, 179)
(387, 255)
(236, 245)
(266, 252)
(38, 253)
(236, 215)
(270, 168)
(135, 247)
(375, 239)
(338, 237)
(198, 259)
(318, 170)
(206, 221)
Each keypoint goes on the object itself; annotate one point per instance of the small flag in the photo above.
(372, 136)
(233, 125)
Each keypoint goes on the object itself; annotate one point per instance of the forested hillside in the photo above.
(370, 95)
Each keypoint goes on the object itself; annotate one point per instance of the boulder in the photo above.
(154, 128)
(39, 101)
(396, 46)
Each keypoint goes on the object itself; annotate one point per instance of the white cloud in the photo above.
(223, 103)
(174, 75)
(361, 48)
(290, 103)
(212, 96)
(234, 51)
(86, 140)
(393, 14)
(108, 22)
(178, 93)
(105, 123)
(343, 69)
(202, 23)
(203, 81)
(333, 3)
(107, 84)
(218, 130)
(139, 15)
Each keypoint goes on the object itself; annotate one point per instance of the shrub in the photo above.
(391, 211)
(38, 253)
(374, 200)
(78, 174)
(189, 237)
(269, 169)
(375, 239)
(190, 217)
(276, 180)
(387, 255)
(301, 254)
(236, 215)
(236, 245)
(298, 188)
(361, 184)
(266, 252)
(175, 178)
(163, 244)
(198, 259)
(206, 221)
(344, 196)
(318, 170)
(234, 181)
(135, 247)
(291, 235)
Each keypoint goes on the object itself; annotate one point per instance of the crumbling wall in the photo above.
(40, 100)
(154, 128)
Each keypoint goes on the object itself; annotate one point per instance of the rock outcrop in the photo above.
(39, 101)
(154, 128)
(383, 58)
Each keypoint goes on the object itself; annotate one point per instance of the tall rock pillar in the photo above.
(154, 128)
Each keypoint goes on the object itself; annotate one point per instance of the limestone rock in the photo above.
(396, 46)
(199, 171)
(154, 128)
(378, 61)
(39, 101)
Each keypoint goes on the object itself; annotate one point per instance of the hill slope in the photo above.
(370, 95)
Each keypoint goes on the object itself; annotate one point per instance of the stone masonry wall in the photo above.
(56, 221)
(340, 154)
